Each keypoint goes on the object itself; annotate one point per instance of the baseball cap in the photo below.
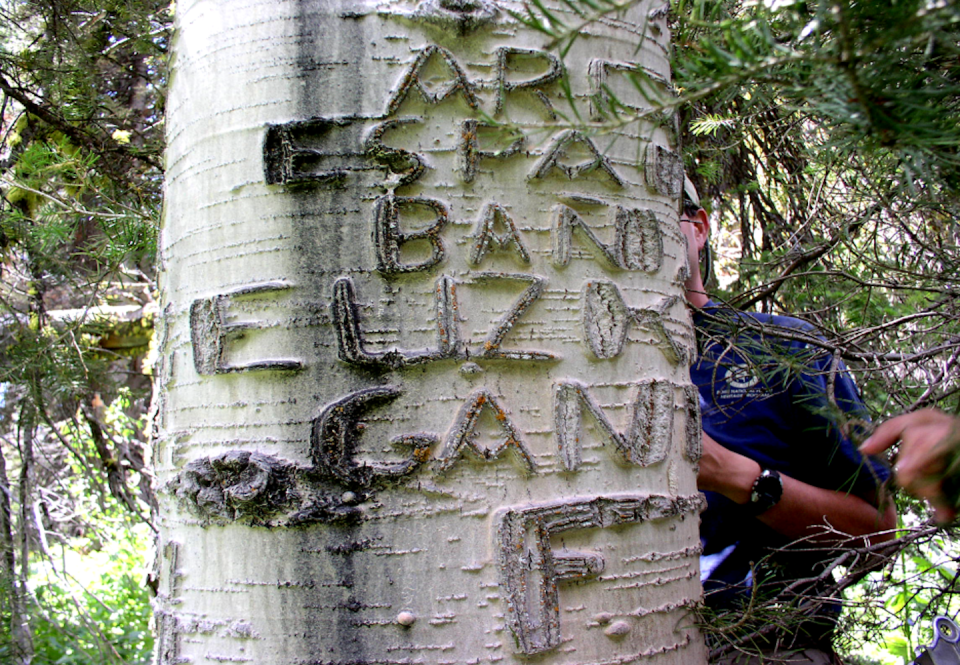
(690, 195)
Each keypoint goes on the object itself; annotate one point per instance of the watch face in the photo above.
(767, 489)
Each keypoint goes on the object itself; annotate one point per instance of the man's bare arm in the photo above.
(804, 511)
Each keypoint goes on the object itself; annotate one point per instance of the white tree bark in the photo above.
(422, 389)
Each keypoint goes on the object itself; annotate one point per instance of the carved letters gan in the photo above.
(270, 491)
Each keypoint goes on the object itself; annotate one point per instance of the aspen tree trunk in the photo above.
(422, 390)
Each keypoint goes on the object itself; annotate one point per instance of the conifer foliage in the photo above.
(81, 115)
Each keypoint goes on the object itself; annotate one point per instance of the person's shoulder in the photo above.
(758, 319)
(784, 321)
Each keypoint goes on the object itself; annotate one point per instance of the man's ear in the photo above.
(702, 229)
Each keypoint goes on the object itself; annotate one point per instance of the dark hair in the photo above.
(690, 209)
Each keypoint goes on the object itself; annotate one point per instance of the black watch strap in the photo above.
(766, 492)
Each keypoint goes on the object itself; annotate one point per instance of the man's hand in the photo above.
(929, 455)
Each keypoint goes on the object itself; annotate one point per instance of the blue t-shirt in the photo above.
(765, 396)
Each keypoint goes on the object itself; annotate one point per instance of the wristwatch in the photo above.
(766, 492)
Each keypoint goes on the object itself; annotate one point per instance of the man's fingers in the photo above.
(886, 435)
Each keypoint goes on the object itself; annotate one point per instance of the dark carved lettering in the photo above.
(638, 243)
(350, 341)
(389, 238)
(651, 320)
(470, 152)
(494, 340)
(530, 569)
(653, 414)
(693, 449)
(237, 484)
(407, 165)
(605, 318)
(565, 221)
(261, 490)
(411, 80)
(484, 235)
(210, 331)
(663, 171)
(560, 150)
(463, 434)
(644, 442)
(319, 151)
(646, 83)
(449, 340)
(168, 638)
(554, 70)
(639, 239)
(335, 437)
(450, 344)
(346, 321)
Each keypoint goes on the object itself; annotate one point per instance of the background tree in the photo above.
(81, 106)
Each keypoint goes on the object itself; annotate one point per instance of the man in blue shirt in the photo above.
(778, 465)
